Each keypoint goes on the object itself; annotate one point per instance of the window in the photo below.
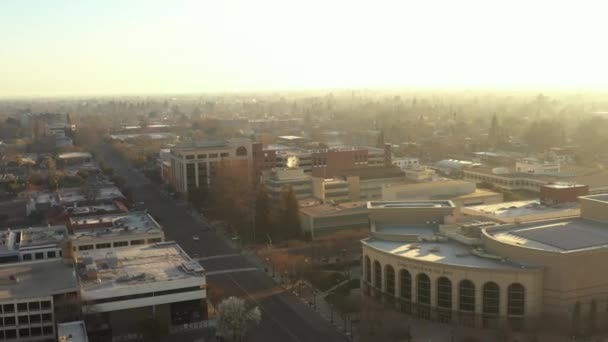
(444, 293)
(36, 331)
(22, 307)
(201, 156)
(516, 299)
(103, 245)
(406, 291)
(491, 298)
(10, 334)
(121, 243)
(8, 308)
(34, 306)
(389, 280)
(27, 257)
(155, 240)
(9, 321)
(35, 319)
(424, 289)
(23, 320)
(85, 247)
(25, 332)
(46, 305)
(47, 317)
(466, 294)
(212, 155)
(48, 330)
(424, 296)
(241, 151)
(224, 154)
(190, 156)
(377, 279)
(137, 242)
(51, 254)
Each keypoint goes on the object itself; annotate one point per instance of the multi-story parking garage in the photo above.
(488, 275)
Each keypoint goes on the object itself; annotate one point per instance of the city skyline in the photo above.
(89, 48)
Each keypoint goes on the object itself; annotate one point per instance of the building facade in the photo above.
(195, 165)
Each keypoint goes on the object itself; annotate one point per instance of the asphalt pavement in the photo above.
(284, 316)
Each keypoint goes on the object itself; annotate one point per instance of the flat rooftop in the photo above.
(134, 266)
(319, 210)
(29, 238)
(36, 279)
(563, 185)
(410, 204)
(523, 209)
(114, 224)
(72, 332)
(443, 253)
(557, 236)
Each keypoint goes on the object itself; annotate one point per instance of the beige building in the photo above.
(194, 165)
(461, 193)
(317, 218)
(278, 180)
(516, 275)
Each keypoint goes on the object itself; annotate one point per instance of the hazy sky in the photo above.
(54, 47)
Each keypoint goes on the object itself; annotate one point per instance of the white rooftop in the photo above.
(135, 265)
(36, 279)
(523, 209)
(114, 225)
(72, 332)
(20, 239)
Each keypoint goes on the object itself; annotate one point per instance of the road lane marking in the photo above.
(232, 270)
(219, 256)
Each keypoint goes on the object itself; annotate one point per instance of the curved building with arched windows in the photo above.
(484, 274)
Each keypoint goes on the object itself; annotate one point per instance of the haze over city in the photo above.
(54, 48)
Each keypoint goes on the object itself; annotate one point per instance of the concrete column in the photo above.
(502, 309)
(478, 304)
(414, 287)
(455, 298)
(433, 291)
(196, 174)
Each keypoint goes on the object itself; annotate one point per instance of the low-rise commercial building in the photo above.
(29, 244)
(318, 218)
(41, 202)
(521, 211)
(35, 295)
(278, 180)
(113, 231)
(461, 193)
(121, 288)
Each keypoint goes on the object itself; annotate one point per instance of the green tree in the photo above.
(263, 220)
(291, 226)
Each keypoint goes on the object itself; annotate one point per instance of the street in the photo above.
(284, 316)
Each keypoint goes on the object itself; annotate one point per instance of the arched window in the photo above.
(241, 151)
(444, 293)
(466, 296)
(406, 291)
(423, 282)
(424, 289)
(491, 299)
(377, 278)
(389, 280)
(516, 299)
(444, 300)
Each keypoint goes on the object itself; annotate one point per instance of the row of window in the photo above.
(40, 255)
(211, 155)
(21, 320)
(24, 307)
(466, 291)
(143, 295)
(14, 334)
(118, 244)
